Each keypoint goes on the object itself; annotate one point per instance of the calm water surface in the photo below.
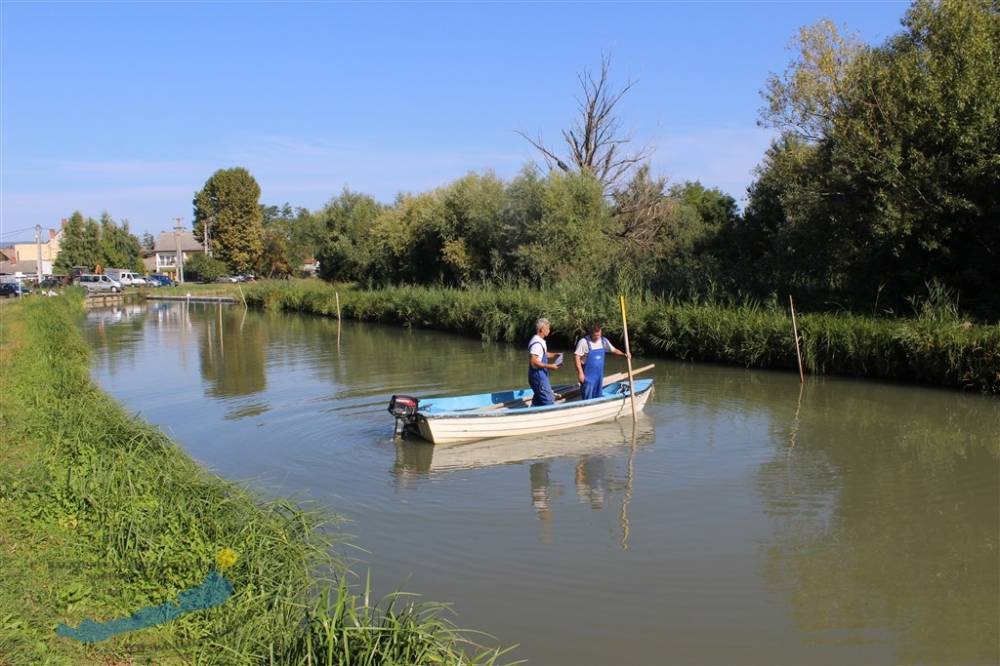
(854, 522)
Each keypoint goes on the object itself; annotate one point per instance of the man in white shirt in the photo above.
(589, 358)
(539, 366)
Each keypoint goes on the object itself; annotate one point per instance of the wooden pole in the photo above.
(337, 294)
(795, 330)
(628, 356)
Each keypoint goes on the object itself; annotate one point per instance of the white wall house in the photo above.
(165, 250)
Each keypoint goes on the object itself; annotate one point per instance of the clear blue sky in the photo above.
(130, 107)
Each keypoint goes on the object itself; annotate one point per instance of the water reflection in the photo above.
(750, 520)
(851, 547)
(593, 450)
(236, 369)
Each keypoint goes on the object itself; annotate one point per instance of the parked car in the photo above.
(55, 282)
(99, 283)
(13, 289)
(227, 278)
(138, 280)
(158, 280)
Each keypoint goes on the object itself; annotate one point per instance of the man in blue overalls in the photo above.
(539, 366)
(589, 358)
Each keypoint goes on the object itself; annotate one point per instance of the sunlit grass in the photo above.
(101, 514)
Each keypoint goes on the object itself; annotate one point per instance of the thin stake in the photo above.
(628, 357)
(795, 330)
(337, 294)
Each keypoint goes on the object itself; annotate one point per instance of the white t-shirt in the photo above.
(537, 346)
(582, 348)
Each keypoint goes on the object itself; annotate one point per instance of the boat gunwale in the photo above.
(545, 409)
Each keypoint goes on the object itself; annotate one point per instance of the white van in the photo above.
(98, 283)
(125, 277)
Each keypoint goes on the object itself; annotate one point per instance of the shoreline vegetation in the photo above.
(102, 514)
(934, 346)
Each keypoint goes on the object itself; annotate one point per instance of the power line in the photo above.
(16, 231)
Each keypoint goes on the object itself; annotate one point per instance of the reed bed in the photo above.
(101, 514)
(935, 345)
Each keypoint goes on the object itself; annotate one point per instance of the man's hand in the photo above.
(581, 377)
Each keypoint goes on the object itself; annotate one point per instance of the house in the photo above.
(165, 250)
(25, 268)
(28, 251)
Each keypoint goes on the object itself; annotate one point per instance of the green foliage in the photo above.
(85, 242)
(228, 203)
(347, 221)
(202, 267)
(291, 235)
(73, 248)
(119, 247)
(101, 514)
(935, 346)
(895, 176)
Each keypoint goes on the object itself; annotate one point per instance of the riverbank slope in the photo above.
(102, 515)
(935, 346)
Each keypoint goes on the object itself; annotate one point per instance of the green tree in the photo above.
(204, 268)
(228, 204)
(275, 261)
(570, 241)
(889, 173)
(74, 248)
(344, 226)
(119, 248)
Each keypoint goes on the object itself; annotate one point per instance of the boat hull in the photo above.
(454, 427)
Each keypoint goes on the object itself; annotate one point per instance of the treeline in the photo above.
(885, 177)
(88, 242)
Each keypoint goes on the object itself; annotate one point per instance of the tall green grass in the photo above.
(101, 514)
(933, 346)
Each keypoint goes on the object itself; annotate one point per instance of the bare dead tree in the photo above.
(641, 210)
(597, 144)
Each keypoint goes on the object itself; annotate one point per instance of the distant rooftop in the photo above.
(167, 242)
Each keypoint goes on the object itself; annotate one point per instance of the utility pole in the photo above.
(208, 225)
(38, 251)
(180, 255)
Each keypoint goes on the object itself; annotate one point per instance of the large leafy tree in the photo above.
(888, 174)
(74, 248)
(344, 230)
(119, 247)
(228, 204)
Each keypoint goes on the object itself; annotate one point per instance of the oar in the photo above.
(628, 356)
(563, 397)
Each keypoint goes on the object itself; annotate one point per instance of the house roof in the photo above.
(11, 267)
(167, 242)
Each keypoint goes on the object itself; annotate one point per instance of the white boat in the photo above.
(504, 413)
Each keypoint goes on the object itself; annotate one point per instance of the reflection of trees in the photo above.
(887, 517)
(231, 349)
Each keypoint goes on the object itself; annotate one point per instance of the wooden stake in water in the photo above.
(628, 356)
(337, 294)
(795, 330)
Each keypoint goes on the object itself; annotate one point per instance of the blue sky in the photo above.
(130, 107)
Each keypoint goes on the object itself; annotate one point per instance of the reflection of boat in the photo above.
(601, 439)
(506, 413)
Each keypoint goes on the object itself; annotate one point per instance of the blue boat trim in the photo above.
(462, 406)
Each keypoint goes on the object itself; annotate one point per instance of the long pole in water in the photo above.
(795, 331)
(628, 356)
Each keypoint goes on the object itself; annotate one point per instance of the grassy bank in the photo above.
(934, 346)
(101, 515)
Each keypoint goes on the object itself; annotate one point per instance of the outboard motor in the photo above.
(403, 408)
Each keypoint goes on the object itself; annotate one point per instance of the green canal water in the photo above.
(745, 521)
